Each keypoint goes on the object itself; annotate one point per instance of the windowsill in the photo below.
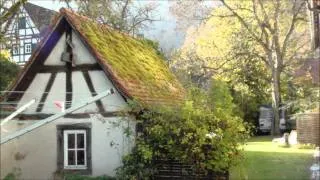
(75, 167)
(76, 171)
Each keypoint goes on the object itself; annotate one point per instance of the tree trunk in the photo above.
(276, 99)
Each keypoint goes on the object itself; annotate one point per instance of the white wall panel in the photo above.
(101, 83)
(35, 90)
(83, 56)
(55, 55)
(81, 93)
(57, 93)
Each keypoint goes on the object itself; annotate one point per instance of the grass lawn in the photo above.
(266, 160)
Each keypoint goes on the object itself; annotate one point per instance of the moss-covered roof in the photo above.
(132, 64)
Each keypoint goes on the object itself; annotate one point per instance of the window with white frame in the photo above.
(75, 149)
(28, 48)
(15, 49)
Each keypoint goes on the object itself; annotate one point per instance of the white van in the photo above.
(266, 117)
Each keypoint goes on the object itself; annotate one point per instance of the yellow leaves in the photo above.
(213, 39)
(5, 54)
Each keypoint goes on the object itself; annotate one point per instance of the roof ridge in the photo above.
(40, 16)
(65, 11)
(39, 7)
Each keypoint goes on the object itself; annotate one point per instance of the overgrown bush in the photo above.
(196, 133)
(8, 71)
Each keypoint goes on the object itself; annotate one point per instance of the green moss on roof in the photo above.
(131, 59)
(134, 62)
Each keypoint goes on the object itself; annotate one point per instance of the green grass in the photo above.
(264, 159)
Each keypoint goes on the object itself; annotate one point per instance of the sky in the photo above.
(163, 31)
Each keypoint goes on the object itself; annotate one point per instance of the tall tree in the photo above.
(267, 34)
(314, 8)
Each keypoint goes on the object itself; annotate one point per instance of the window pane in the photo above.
(71, 157)
(28, 48)
(80, 156)
(71, 140)
(22, 22)
(80, 140)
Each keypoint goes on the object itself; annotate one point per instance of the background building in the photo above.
(25, 30)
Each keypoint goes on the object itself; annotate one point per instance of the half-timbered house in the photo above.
(25, 30)
(77, 61)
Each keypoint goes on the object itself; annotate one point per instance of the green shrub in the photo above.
(8, 71)
(196, 133)
(10, 176)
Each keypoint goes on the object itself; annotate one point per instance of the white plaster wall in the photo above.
(57, 93)
(83, 56)
(35, 90)
(101, 82)
(13, 126)
(81, 93)
(105, 156)
(38, 148)
(37, 151)
(55, 55)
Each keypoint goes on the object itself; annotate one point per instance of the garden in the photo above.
(264, 159)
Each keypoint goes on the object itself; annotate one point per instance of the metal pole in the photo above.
(56, 116)
(14, 114)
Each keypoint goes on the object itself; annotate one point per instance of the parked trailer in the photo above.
(266, 118)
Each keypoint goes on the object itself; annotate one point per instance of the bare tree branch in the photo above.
(262, 25)
(291, 28)
(246, 25)
(266, 17)
(122, 15)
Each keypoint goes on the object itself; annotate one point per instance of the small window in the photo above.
(22, 23)
(15, 49)
(28, 48)
(75, 149)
